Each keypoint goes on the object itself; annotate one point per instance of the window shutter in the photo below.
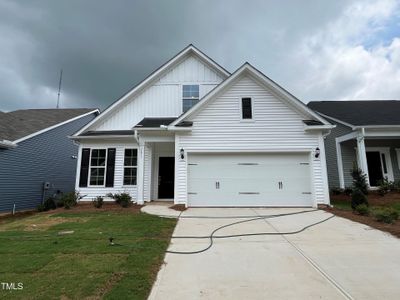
(83, 177)
(110, 167)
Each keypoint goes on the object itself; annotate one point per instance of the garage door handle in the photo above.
(280, 185)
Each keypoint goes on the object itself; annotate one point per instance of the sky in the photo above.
(317, 50)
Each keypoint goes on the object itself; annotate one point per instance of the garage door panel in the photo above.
(249, 180)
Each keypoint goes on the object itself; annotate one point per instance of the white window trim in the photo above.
(90, 167)
(241, 110)
(123, 167)
(182, 98)
(388, 158)
(398, 156)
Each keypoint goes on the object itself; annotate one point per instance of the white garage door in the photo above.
(249, 180)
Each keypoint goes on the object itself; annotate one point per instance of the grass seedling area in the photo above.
(67, 254)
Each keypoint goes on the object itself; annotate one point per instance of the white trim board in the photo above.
(54, 126)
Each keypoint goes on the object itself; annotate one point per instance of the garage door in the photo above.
(249, 180)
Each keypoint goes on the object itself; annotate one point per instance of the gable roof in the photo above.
(248, 69)
(360, 113)
(19, 124)
(190, 49)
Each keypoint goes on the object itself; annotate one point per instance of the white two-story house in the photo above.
(195, 134)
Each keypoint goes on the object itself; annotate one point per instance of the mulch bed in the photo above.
(107, 206)
(178, 207)
(374, 199)
(81, 207)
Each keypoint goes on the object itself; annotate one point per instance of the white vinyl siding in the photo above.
(164, 97)
(91, 192)
(276, 128)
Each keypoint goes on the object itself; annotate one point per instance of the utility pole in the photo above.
(59, 90)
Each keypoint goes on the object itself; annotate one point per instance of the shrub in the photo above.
(386, 215)
(123, 199)
(347, 191)
(70, 199)
(337, 191)
(40, 207)
(358, 198)
(385, 186)
(362, 209)
(98, 202)
(359, 180)
(50, 203)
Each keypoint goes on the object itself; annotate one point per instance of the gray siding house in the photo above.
(367, 134)
(34, 150)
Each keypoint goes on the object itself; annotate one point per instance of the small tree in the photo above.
(360, 188)
(359, 180)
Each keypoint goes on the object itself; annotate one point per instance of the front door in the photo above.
(166, 176)
(374, 167)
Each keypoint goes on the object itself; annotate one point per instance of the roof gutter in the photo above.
(6, 144)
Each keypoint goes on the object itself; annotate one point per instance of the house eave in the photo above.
(6, 144)
(318, 127)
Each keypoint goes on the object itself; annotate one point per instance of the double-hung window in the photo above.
(190, 96)
(98, 158)
(130, 166)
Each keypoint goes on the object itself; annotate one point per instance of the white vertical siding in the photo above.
(275, 128)
(164, 97)
(92, 192)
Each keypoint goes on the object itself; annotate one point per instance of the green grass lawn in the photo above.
(83, 264)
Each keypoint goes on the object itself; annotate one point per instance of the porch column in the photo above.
(340, 163)
(140, 174)
(362, 155)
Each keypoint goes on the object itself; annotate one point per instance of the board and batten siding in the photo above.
(47, 157)
(275, 128)
(164, 97)
(90, 192)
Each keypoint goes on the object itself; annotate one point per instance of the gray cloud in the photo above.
(106, 47)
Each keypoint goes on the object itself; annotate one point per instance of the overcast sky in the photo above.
(317, 50)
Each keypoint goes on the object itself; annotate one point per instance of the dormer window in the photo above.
(247, 111)
(190, 96)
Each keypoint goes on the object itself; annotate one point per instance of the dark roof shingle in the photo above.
(360, 113)
(154, 122)
(20, 123)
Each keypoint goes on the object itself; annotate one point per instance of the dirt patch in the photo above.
(38, 222)
(107, 286)
(178, 207)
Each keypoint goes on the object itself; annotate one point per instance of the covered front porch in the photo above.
(156, 166)
(376, 151)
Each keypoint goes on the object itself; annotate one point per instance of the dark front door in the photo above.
(374, 168)
(166, 175)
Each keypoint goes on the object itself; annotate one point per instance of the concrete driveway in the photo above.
(333, 260)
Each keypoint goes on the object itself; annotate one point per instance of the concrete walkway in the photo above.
(338, 259)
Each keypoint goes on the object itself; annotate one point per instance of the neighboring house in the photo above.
(196, 134)
(367, 133)
(34, 150)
